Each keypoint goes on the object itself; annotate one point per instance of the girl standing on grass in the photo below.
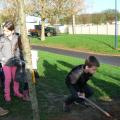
(8, 51)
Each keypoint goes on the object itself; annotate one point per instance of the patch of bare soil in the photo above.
(82, 113)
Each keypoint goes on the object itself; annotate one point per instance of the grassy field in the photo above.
(54, 68)
(92, 43)
(51, 89)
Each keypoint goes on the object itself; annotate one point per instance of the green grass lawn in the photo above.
(51, 88)
(92, 43)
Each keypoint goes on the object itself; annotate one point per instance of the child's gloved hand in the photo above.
(81, 95)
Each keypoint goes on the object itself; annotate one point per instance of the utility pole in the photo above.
(116, 27)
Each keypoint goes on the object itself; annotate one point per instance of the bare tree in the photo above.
(10, 10)
(45, 11)
(59, 8)
(66, 8)
(73, 8)
(27, 56)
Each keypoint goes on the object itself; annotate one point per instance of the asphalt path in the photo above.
(113, 60)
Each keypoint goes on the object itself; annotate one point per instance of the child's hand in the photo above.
(81, 95)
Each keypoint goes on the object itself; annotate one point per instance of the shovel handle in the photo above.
(96, 106)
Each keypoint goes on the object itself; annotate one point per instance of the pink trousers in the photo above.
(9, 72)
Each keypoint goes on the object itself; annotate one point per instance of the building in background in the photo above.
(31, 21)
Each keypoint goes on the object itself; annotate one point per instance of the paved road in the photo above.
(113, 60)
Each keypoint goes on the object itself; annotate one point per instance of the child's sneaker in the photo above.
(66, 108)
(26, 96)
(3, 112)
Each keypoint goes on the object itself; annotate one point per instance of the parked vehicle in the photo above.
(49, 31)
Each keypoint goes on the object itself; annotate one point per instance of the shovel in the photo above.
(97, 107)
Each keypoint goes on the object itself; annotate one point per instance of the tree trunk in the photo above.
(43, 20)
(43, 31)
(57, 19)
(27, 56)
(73, 24)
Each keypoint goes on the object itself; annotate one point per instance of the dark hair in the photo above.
(92, 61)
(9, 25)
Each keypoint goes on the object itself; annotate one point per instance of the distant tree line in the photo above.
(106, 16)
